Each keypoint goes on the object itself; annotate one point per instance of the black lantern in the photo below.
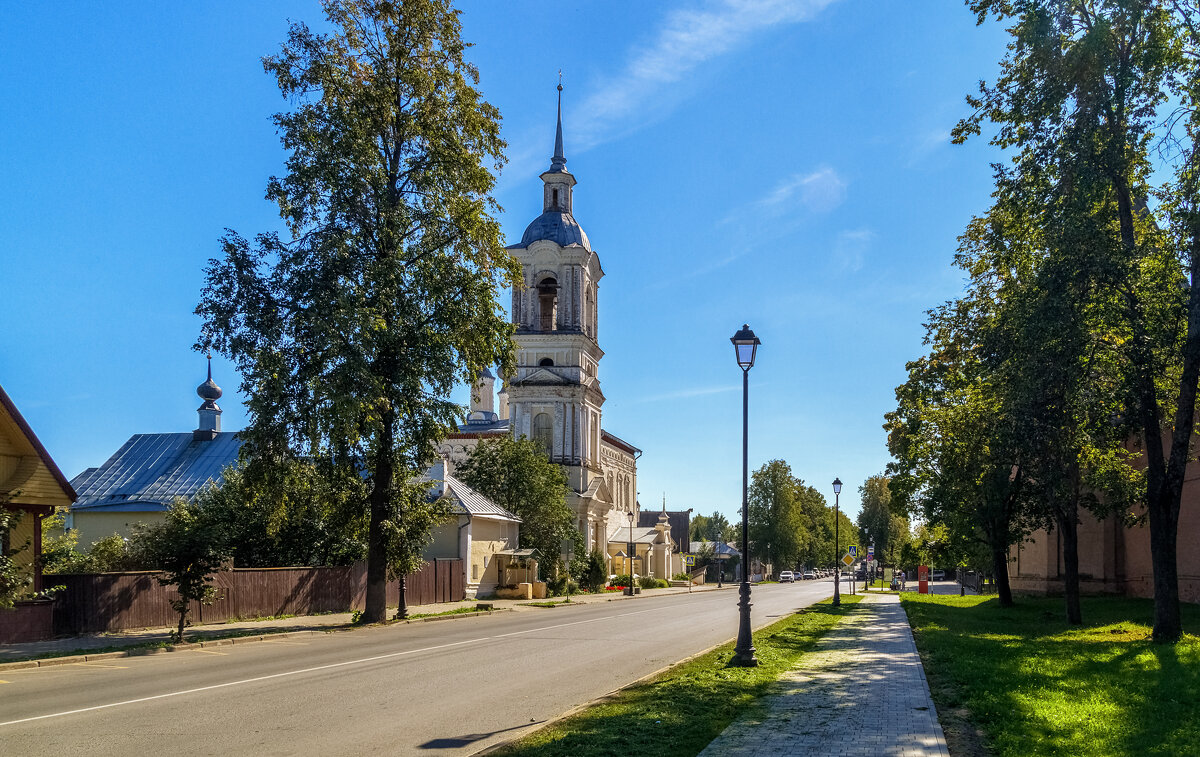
(745, 344)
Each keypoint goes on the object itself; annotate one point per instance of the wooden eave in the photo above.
(27, 472)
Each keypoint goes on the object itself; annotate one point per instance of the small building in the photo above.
(32, 487)
(142, 478)
(478, 533)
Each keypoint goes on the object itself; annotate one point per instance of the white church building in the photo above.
(555, 396)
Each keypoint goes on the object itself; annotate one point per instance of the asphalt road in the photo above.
(448, 688)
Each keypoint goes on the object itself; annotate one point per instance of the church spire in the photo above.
(559, 161)
(210, 411)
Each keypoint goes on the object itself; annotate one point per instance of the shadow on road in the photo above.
(458, 742)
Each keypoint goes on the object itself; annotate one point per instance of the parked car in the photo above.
(809, 575)
(938, 575)
(787, 577)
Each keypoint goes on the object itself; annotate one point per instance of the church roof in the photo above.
(554, 226)
(467, 501)
(150, 470)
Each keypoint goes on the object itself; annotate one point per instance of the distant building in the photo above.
(555, 396)
(142, 478)
(32, 486)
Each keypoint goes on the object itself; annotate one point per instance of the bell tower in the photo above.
(555, 396)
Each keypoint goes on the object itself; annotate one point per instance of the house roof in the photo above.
(151, 470)
(719, 548)
(679, 520)
(640, 535)
(25, 465)
(467, 501)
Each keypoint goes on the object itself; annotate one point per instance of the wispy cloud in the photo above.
(680, 394)
(819, 191)
(687, 39)
(850, 249)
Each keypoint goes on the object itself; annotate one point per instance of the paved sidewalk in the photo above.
(862, 691)
(91, 642)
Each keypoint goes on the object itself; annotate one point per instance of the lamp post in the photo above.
(632, 552)
(837, 546)
(745, 345)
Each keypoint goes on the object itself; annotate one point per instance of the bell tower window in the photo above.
(546, 362)
(547, 304)
(543, 431)
(555, 199)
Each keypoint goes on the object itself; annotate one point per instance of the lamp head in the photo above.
(837, 486)
(745, 344)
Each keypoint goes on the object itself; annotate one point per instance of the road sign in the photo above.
(870, 557)
(871, 550)
(689, 560)
(848, 560)
(852, 551)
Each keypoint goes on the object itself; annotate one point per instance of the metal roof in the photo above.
(556, 226)
(470, 502)
(153, 469)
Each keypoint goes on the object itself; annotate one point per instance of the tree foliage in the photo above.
(351, 331)
(189, 548)
(878, 524)
(517, 475)
(778, 531)
(1080, 94)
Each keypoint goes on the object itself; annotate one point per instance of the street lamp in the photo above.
(745, 345)
(632, 552)
(837, 565)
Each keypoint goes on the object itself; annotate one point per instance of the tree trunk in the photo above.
(1000, 568)
(381, 496)
(182, 624)
(1068, 526)
(1164, 531)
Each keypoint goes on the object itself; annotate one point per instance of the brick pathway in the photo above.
(861, 691)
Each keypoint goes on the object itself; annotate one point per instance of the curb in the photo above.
(46, 662)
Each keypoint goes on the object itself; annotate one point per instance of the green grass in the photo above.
(1036, 686)
(455, 611)
(680, 711)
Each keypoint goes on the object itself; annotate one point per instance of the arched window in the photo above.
(548, 304)
(543, 431)
(546, 362)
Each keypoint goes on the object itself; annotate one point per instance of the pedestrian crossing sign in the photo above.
(689, 560)
(852, 550)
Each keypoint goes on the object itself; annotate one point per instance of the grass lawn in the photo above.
(1035, 686)
(681, 710)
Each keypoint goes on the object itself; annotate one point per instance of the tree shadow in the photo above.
(458, 742)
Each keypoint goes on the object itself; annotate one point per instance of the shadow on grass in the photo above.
(681, 711)
(1038, 686)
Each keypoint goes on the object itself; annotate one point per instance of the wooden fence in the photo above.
(97, 602)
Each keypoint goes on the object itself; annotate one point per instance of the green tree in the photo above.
(709, 527)
(189, 549)
(778, 531)
(351, 332)
(1081, 91)
(878, 524)
(517, 475)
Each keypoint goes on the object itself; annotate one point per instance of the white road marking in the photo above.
(330, 666)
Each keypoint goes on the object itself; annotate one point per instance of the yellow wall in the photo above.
(487, 538)
(22, 534)
(94, 526)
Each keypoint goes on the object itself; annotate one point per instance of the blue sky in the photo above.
(782, 163)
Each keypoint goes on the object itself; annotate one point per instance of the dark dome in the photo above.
(556, 227)
(209, 391)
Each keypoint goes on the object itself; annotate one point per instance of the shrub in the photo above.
(648, 582)
(620, 580)
(682, 577)
(662, 583)
(592, 578)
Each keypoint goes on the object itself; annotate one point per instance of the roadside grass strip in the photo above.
(1033, 685)
(679, 711)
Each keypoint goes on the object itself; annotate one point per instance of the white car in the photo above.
(939, 575)
(787, 577)
(809, 575)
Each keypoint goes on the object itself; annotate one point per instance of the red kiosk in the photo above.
(923, 579)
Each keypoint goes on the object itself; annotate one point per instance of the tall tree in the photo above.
(517, 475)
(777, 528)
(351, 333)
(1078, 98)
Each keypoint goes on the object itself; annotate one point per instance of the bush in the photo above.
(592, 578)
(620, 580)
(662, 583)
(682, 577)
(649, 582)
